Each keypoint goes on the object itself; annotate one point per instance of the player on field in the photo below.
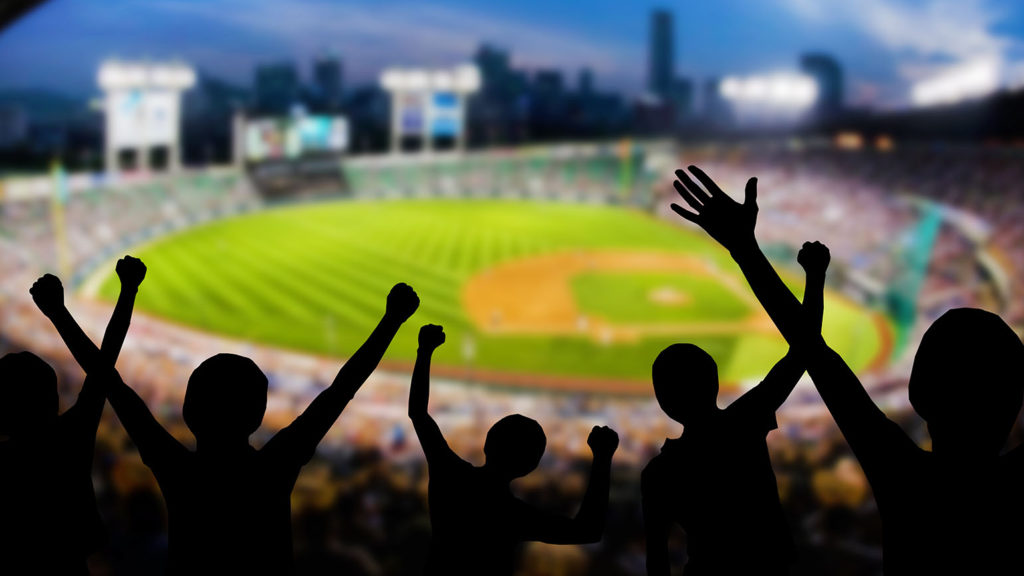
(477, 523)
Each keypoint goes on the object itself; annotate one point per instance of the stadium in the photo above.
(555, 265)
(546, 317)
(522, 283)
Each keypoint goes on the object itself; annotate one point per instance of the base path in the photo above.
(534, 296)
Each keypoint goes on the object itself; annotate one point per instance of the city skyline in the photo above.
(610, 40)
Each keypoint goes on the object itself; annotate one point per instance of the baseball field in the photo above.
(530, 293)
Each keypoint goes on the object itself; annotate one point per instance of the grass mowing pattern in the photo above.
(315, 277)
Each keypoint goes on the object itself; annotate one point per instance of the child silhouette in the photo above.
(228, 504)
(716, 480)
(476, 521)
(49, 522)
(955, 509)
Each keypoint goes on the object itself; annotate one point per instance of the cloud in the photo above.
(953, 29)
(925, 37)
(370, 36)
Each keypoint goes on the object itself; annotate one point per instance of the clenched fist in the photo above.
(48, 294)
(402, 302)
(603, 441)
(431, 336)
(131, 271)
(814, 257)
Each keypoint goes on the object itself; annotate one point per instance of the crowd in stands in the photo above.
(820, 191)
(364, 494)
(81, 229)
(583, 174)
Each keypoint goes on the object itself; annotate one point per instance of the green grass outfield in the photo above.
(314, 277)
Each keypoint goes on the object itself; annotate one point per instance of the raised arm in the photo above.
(435, 447)
(588, 524)
(815, 258)
(732, 225)
(158, 449)
(102, 380)
(83, 418)
(298, 441)
(48, 294)
(131, 271)
(778, 384)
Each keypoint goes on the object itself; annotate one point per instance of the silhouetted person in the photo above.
(956, 509)
(228, 504)
(716, 480)
(49, 522)
(476, 522)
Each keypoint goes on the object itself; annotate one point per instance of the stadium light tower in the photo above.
(142, 104)
(429, 103)
(769, 98)
(774, 91)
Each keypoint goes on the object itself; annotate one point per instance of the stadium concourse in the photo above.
(364, 495)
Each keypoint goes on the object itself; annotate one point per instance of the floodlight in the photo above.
(417, 80)
(442, 80)
(730, 88)
(970, 80)
(467, 78)
(176, 76)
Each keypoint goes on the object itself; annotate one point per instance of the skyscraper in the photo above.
(660, 56)
(495, 72)
(328, 77)
(277, 87)
(586, 82)
(682, 98)
(717, 111)
(828, 74)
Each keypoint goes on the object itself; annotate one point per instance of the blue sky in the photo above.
(884, 45)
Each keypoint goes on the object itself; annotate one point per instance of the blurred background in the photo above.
(279, 165)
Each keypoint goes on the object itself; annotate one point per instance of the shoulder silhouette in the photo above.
(48, 514)
(477, 523)
(952, 509)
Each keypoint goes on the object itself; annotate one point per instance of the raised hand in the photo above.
(402, 302)
(814, 257)
(724, 219)
(131, 271)
(603, 441)
(48, 294)
(431, 336)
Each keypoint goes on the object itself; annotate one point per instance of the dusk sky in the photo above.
(883, 45)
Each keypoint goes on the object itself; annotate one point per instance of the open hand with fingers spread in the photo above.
(603, 441)
(402, 302)
(48, 294)
(431, 336)
(814, 257)
(727, 221)
(131, 271)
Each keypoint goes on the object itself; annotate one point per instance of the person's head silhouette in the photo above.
(514, 446)
(685, 381)
(968, 382)
(28, 394)
(225, 400)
